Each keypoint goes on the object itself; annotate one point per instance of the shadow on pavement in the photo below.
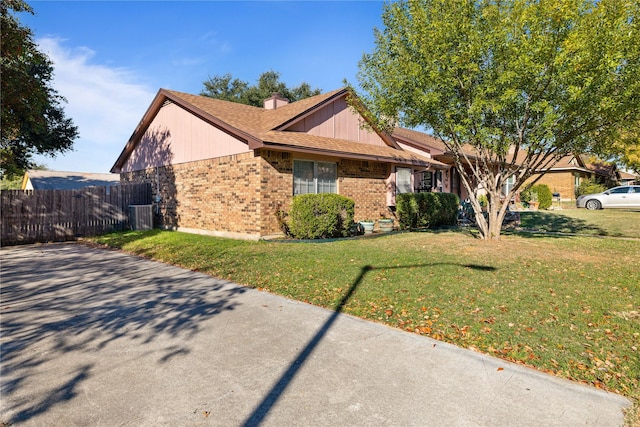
(64, 298)
(262, 410)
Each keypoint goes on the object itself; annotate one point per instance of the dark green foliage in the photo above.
(545, 198)
(33, 120)
(540, 193)
(589, 186)
(430, 210)
(525, 196)
(227, 88)
(11, 183)
(320, 216)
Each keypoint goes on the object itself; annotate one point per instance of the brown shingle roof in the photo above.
(254, 120)
(419, 137)
(259, 127)
(246, 118)
(427, 141)
(341, 147)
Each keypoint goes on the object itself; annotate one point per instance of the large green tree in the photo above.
(541, 78)
(227, 88)
(33, 120)
(626, 149)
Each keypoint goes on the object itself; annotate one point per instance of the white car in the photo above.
(626, 196)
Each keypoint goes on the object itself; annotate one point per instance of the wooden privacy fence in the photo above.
(56, 215)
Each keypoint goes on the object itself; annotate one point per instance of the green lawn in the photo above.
(566, 305)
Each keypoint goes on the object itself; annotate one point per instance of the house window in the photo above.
(508, 185)
(426, 183)
(430, 181)
(314, 177)
(438, 183)
(403, 181)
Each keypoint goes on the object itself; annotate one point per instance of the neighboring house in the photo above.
(563, 178)
(443, 179)
(225, 168)
(56, 180)
(604, 172)
(627, 178)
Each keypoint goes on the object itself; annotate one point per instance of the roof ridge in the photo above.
(210, 99)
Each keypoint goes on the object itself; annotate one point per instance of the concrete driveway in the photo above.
(100, 338)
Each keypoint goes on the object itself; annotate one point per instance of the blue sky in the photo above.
(111, 57)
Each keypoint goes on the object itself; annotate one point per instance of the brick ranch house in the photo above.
(224, 168)
(563, 178)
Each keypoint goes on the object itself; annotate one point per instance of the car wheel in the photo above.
(593, 205)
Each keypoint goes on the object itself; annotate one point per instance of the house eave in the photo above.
(564, 169)
(351, 156)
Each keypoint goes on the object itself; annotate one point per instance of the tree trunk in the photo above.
(490, 226)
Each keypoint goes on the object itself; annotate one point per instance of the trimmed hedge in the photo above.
(430, 210)
(545, 197)
(320, 216)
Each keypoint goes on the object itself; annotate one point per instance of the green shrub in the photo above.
(320, 216)
(416, 210)
(545, 198)
(589, 187)
(540, 193)
(525, 196)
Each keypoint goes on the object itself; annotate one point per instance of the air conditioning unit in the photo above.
(141, 217)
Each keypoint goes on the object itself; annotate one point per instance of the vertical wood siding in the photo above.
(177, 136)
(337, 120)
(56, 215)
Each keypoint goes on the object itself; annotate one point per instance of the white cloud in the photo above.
(105, 103)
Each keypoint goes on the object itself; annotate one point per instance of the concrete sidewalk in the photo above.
(100, 338)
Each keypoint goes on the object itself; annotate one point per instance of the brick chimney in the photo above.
(275, 101)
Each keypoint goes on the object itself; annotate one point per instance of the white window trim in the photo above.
(508, 185)
(411, 186)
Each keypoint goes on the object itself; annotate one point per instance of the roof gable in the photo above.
(285, 116)
(253, 124)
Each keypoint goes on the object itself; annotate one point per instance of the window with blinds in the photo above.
(314, 177)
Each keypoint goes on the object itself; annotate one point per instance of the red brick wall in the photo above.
(364, 182)
(240, 194)
(216, 194)
(276, 188)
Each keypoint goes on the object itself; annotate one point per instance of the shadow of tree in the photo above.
(63, 393)
(262, 410)
(150, 162)
(62, 299)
